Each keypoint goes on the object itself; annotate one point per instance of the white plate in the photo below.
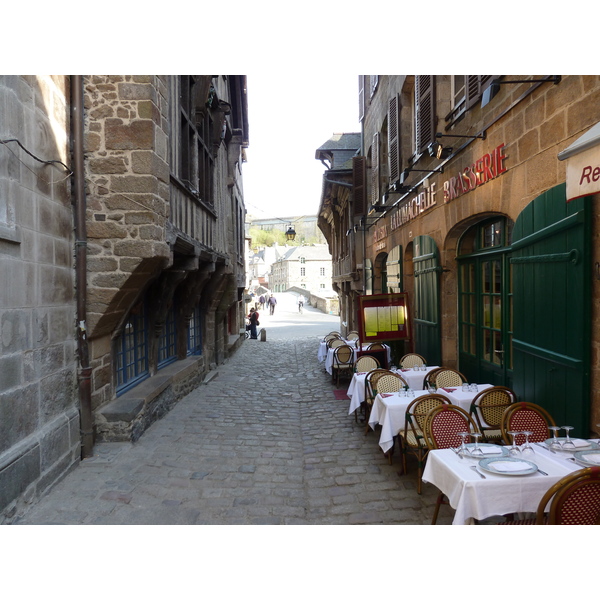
(500, 451)
(580, 457)
(487, 464)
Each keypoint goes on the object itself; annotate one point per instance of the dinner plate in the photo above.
(579, 444)
(495, 465)
(488, 450)
(590, 458)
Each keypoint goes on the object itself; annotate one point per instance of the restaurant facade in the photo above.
(477, 196)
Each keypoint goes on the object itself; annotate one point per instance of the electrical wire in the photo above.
(46, 162)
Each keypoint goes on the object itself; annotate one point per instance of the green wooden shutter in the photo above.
(552, 307)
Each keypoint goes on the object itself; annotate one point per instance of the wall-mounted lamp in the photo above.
(440, 152)
(290, 234)
(375, 208)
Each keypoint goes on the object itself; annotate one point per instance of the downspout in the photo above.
(79, 200)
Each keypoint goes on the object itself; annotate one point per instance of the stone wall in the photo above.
(39, 421)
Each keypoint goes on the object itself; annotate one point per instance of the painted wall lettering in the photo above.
(488, 167)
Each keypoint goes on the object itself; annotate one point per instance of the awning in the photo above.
(583, 166)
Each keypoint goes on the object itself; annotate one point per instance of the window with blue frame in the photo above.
(167, 342)
(195, 332)
(132, 350)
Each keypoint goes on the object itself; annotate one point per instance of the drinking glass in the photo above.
(476, 451)
(568, 443)
(465, 387)
(527, 451)
(463, 448)
(514, 450)
(555, 443)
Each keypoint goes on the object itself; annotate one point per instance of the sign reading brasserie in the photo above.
(488, 167)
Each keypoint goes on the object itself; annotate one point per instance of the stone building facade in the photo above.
(128, 264)
(462, 198)
(39, 405)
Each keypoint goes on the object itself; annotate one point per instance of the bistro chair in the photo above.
(352, 335)
(343, 363)
(366, 363)
(429, 379)
(412, 439)
(487, 409)
(335, 342)
(388, 384)
(412, 360)
(449, 378)
(441, 431)
(331, 336)
(526, 416)
(371, 380)
(574, 500)
(376, 346)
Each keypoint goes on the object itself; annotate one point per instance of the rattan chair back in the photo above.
(429, 379)
(412, 360)
(449, 378)
(390, 383)
(487, 408)
(526, 416)
(443, 425)
(371, 380)
(376, 346)
(366, 363)
(575, 499)
(352, 335)
(335, 342)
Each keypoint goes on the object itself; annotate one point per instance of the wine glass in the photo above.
(514, 450)
(463, 451)
(555, 443)
(476, 451)
(568, 443)
(527, 451)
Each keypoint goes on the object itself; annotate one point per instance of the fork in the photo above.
(474, 467)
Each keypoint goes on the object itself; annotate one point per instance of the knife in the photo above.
(542, 472)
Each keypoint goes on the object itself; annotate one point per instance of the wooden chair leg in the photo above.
(438, 503)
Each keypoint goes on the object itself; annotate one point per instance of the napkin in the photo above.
(506, 466)
(490, 449)
(593, 458)
(580, 443)
(386, 395)
(449, 390)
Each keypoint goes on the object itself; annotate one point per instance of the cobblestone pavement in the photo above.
(264, 442)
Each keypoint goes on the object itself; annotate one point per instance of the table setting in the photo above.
(507, 479)
(414, 376)
(463, 395)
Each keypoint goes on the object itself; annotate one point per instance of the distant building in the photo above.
(306, 267)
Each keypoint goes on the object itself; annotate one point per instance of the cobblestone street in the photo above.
(264, 442)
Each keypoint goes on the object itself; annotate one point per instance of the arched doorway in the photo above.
(485, 302)
(380, 274)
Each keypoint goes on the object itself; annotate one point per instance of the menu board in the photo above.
(384, 317)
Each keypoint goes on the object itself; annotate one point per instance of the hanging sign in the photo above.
(583, 174)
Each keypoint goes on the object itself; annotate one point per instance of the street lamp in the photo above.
(290, 234)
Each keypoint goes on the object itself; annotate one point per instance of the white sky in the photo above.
(281, 176)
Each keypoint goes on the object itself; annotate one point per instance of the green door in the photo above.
(485, 303)
(427, 331)
(552, 307)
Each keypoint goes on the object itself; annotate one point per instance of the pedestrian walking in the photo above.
(301, 301)
(254, 322)
(272, 303)
(261, 302)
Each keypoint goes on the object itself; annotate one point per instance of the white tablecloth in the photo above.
(415, 379)
(460, 398)
(356, 391)
(474, 497)
(389, 411)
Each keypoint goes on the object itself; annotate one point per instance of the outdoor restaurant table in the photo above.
(475, 498)
(329, 357)
(356, 389)
(415, 379)
(389, 411)
(460, 398)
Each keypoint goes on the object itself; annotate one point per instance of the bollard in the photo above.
(263, 335)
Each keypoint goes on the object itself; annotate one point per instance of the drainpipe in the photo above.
(85, 372)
